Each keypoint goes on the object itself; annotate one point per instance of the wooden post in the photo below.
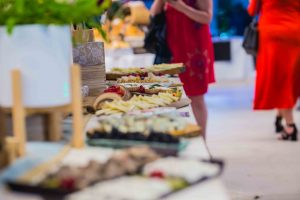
(2, 128)
(53, 126)
(18, 112)
(11, 149)
(77, 136)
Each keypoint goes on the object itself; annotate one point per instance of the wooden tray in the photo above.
(191, 130)
(183, 102)
(177, 70)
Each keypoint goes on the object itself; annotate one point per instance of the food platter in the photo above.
(161, 129)
(161, 69)
(137, 102)
(141, 166)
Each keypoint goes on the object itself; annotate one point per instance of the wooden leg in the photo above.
(11, 149)
(18, 112)
(3, 161)
(2, 139)
(53, 125)
(78, 135)
(3, 130)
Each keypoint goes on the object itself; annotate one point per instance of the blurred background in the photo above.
(230, 17)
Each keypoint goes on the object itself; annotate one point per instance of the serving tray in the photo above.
(59, 194)
(164, 149)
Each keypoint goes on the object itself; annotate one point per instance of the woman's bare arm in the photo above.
(252, 7)
(202, 14)
(157, 7)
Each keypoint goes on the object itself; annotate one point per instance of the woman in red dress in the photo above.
(278, 61)
(190, 42)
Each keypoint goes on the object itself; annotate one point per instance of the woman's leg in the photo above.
(290, 130)
(200, 111)
(278, 122)
(279, 113)
(287, 114)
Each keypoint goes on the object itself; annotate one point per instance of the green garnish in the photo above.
(154, 86)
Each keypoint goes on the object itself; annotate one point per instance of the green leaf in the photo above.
(57, 12)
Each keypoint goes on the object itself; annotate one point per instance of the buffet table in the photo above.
(213, 190)
(196, 149)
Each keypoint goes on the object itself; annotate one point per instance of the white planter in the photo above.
(44, 56)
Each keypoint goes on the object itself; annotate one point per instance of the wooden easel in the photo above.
(15, 146)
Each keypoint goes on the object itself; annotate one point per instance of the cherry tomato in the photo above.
(157, 174)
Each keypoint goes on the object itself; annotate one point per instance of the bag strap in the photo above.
(257, 7)
(256, 13)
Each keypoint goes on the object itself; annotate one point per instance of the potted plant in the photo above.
(35, 37)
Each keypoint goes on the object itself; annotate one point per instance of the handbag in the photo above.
(251, 34)
(155, 40)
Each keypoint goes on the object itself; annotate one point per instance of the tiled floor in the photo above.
(258, 165)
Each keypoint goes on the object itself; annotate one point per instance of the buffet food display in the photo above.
(137, 102)
(160, 69)
(70, 178)
(157, 179)
(153, 176)
(125, 25)
(135, 117)
(164, 127)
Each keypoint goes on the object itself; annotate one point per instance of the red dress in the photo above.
(278, 60)
(191, 44)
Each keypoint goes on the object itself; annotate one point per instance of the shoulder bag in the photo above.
(251, 35)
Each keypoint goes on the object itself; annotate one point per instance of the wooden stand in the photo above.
(15, 146)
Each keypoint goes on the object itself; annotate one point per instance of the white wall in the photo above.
(241, 65)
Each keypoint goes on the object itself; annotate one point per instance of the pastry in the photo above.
(106, 97)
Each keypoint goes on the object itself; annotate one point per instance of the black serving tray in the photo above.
(45, 193)
(60, 194)
(161, 148)
(218, 162)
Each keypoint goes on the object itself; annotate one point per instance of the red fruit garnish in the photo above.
(144, 74)
(157, 174)
(121, 92)
(115, 89)
(68, 183)
(142, 89)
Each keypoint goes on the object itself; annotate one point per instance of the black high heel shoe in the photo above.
(293, 136)
(278, 124)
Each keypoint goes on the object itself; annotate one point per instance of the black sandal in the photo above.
(293, 136)
(278, 124)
